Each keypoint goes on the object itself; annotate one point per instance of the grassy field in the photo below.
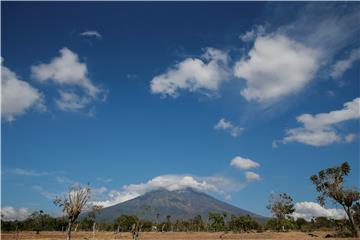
(168, 236)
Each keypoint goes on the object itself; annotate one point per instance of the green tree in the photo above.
(196, 223)
(301, 223)
(242, 223)
(281, 207)
(125, 222)
(330, 185)
(217, 222)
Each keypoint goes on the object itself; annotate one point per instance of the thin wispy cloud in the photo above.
(27, 172)
(227, 126)
(104, 180)
(341, 66)
(94, 34)
(44, 192)
(251, 35)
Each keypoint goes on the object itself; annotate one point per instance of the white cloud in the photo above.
(10, 213)
(44, 192)
(308, 210)
(225, 125)
(193, 74)
(70, 101)
(27, 172)
(340, 67)
(350, 137)
(104, 180)
(215, 184)
(99, 190)
(68, 72)
(350, 111)
(251, 176)
(131, 76)
(326, 28)
(95, 34)
(62, 179)
(276, 67)
(17, 96)
(314, 137)
(243, 163)
(258, 30)
(319, 129)
(65, 70)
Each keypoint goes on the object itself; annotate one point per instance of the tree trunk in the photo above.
(94, 230)
(69, 231)
(354, 229)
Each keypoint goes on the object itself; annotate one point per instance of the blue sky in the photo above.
(235, 99)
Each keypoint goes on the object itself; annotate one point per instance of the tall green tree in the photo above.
(125, 222)
(217, 222)
(330, 185)
(281, 207)
(242, 223)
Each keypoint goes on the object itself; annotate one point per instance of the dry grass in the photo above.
(167, 236)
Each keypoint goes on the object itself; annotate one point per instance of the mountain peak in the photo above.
(179, 204)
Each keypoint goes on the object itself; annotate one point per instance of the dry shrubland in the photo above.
(169, 235)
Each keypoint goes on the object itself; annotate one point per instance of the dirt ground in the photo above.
(166, 236)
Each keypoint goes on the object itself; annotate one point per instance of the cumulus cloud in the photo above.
(251, 176)
(17, 96)
(243, 163)
(214, 184)
(277, 66)
(67, 71)
(11, 214)
(320, 129)
(309, 210)
(341, 66)
(95, 34)
(227, 126)
(203, 74)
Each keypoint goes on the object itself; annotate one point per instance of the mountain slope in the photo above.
(179, 204)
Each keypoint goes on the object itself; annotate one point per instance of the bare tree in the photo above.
(73, 204)
(135, 230)
(330, 184)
